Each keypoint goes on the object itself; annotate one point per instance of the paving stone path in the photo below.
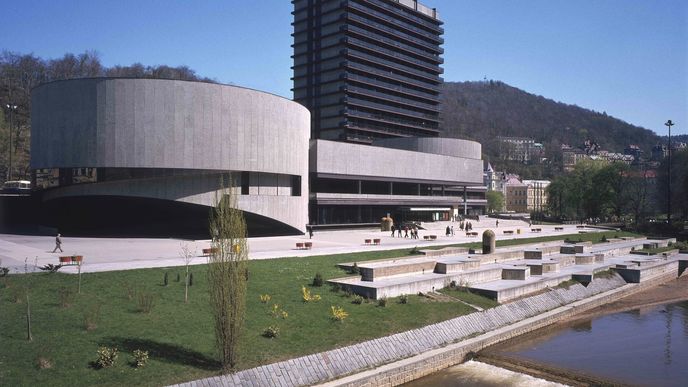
(320, 367)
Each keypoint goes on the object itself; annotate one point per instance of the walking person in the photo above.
(406, 232)
(452, 230)
(393, 229)
(448, 231)
(58, 243)
(497, 224)
(310, 232)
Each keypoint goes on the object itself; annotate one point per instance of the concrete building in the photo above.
(125, 152)
(368, 69)
(419, 179)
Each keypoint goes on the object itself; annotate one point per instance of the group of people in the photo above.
(467, 226)
(405, 229)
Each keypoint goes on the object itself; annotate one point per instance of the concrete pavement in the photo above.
(109, 254)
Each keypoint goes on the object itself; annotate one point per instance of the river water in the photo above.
(646, 347)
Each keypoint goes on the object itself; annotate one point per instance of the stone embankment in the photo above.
(406, 356)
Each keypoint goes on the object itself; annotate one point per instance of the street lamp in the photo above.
(12, 108)
(669, 124)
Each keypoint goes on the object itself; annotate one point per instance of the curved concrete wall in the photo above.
(330, 158)
(437, 145)
(152, 123)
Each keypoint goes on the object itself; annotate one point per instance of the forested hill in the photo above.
(484, 110)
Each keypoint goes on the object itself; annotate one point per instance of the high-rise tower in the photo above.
(368, 69)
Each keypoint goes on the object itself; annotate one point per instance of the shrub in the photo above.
(338, 313)
(452, 284)
(190, 279)
(106, 357)
(50, 268)
(335, 288)
(131, 291)
(382, 302)
(66, 296)
(284, 315)
(145, 302)
(275, 311)
(43, 362)
(403, 299)
(354, 269)
(164, 279)
(18, 294)
(178, 278)
(271, 332)
(4, 271)
(140, 358)
(91, 317)
(307, 296)
(265, 298)
(358, 300)
(318, 280)
(604, 238)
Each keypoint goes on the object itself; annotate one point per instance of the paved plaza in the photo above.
(25, 252)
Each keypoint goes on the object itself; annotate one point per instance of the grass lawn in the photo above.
(180, 336)
(657, 250)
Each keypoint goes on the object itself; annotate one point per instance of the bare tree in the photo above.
(227, 273)
(187, 254)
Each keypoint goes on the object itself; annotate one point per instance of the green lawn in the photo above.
(180, 336)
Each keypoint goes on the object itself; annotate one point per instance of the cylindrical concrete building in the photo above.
(120, 153)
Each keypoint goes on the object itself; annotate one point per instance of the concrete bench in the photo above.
(209, 251)
(509, 232)
(430, 237)
(304, 245)
(580, 226)
(472, 233)
(558, 229)
(71, 260)
(535, 229)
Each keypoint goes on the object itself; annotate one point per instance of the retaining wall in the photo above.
(425, 350)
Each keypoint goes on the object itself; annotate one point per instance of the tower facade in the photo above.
(368, 69)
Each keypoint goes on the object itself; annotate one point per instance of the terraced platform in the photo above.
(510, 273)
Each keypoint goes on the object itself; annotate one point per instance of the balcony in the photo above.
(396, 46)
(415, 127)
(391, 109)
(362, 44)
(385, 11)
(387, 97)
(394, 32)
(432, 92)
(396, 67)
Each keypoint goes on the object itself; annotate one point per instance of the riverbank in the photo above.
(674, 290)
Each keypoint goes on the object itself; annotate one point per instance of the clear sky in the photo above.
(628, 58)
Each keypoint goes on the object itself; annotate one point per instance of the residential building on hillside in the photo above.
(523, 149)
(368, 69)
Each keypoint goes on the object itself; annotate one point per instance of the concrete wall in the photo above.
(152, 123)
(437, 145)
(332, 159)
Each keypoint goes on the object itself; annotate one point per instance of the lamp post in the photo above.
(669, 124)
(12, 108)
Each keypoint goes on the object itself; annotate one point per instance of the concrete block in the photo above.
(532, 254)
(516, 273)
(585, 259)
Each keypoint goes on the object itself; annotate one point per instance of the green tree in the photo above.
(227, 273)
(495, 201)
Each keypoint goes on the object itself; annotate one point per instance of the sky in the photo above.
(628, 58)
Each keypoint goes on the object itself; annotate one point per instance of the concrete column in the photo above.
(391, 188)
(465, 202)
(359, 187)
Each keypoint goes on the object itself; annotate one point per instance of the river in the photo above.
(646, 347)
